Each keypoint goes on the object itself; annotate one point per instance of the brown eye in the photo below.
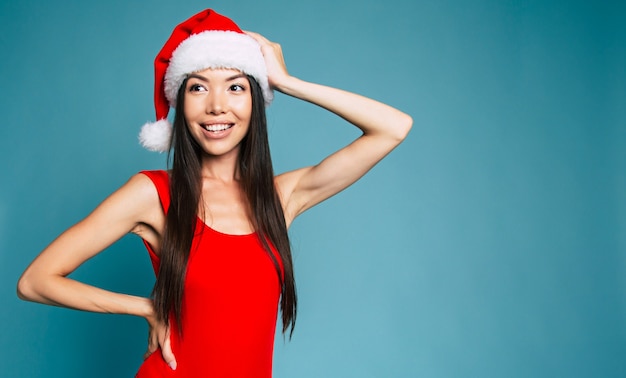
(196, 88)
(237, 88)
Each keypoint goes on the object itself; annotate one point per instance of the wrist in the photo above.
(146, 309)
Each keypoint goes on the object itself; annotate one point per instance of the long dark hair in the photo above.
(257, 181)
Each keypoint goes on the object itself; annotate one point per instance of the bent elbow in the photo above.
(403, 126)
(25, 288)
(407, 124)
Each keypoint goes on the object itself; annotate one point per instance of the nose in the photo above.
(216, 103)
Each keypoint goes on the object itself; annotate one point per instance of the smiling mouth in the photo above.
(215, 128)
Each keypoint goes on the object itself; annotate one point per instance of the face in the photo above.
(218, 106)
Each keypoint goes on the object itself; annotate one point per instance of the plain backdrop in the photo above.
(492, 243)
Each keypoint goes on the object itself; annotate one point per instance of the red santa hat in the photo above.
(206, 40)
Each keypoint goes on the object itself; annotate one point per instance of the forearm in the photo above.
(66, 292)
(46, 279)
(371, 116)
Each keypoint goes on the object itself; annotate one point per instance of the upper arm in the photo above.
(383, 129)
(131, 207)
(304, 188)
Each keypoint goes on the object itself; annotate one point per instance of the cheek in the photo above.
(243, 108)
(192, 106)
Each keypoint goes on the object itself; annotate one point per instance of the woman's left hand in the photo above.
(382, 126)
(274, 60)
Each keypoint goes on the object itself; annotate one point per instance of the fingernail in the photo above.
(172, 365)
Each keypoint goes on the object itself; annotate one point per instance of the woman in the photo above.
(215, 225)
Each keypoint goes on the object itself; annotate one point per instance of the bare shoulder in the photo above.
(143, 188)
(286, 185)
(286, 182)
(142, 197)
(134, 207)
(140, 193)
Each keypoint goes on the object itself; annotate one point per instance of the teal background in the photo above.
(492, 243)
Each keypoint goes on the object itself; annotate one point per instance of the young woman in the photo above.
(215, 225)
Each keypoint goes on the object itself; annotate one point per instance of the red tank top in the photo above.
(230, 305)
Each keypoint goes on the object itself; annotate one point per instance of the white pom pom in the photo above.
(156, 136)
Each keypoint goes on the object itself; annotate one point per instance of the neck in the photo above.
(223, 168)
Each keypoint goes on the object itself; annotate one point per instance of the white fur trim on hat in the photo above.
(156, 136)
(216, 49)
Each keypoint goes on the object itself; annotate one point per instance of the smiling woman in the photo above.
(215, 225)
(218, 106)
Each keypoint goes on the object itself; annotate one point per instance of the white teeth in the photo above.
(217, 127)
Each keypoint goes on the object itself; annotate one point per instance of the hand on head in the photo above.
(274, 60)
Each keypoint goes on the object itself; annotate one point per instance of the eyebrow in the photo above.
(200, 77)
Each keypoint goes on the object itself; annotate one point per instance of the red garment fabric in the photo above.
(230, 305)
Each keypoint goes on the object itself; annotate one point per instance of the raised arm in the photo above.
(383, 129)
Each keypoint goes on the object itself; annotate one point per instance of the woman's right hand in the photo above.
(159, 337)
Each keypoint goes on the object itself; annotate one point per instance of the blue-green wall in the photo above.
(492, 243)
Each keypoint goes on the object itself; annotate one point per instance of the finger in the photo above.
(258, 37)
(153, 344)
(168, 355)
